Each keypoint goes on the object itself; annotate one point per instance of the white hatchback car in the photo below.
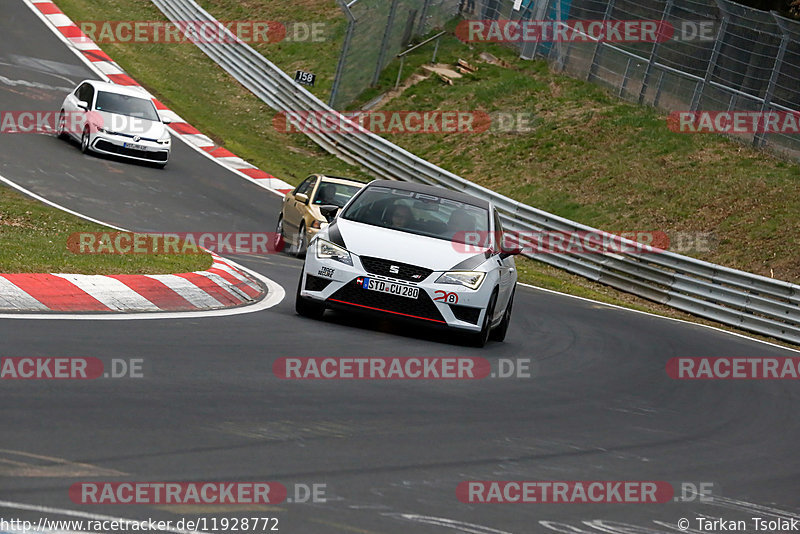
(116, 120)
(401, 250)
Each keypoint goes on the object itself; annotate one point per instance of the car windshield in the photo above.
(131, 106)
(418, 213)
(335, 194)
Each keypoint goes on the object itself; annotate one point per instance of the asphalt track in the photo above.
(599, 405)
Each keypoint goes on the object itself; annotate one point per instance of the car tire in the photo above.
(160, 165)
(61, 127)
(280, 239)
(479, 339)
(301, 241)
(85, 141)
(499, 333)
(307, 307)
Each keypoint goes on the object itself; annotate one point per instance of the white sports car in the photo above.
(117, 120)
(409, 251)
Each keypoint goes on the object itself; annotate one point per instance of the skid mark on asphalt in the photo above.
(452, 524)
(24, 464)
(189, 509)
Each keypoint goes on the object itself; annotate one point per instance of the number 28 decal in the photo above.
(444, 296)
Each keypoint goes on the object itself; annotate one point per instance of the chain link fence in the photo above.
(722, 56)
(377, 31)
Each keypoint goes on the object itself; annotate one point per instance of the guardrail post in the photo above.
(337, 80)
(759, 137)
(593, 66)
(385, 43)
(654, 52)
(712, 62)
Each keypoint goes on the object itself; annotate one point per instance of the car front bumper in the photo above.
(335, 284)
(148, 151)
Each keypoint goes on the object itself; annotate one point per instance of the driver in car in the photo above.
(401, 216)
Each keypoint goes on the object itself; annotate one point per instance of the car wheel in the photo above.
(280, 239)
(61, 128)
(160, 165)
(307, 307)
(499, 333)
(301, 241)
(85, 141)
(479, 339)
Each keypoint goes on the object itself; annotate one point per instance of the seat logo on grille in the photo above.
(137, 138)
(394, 269)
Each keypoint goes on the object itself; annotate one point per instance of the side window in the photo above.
(306, 186)
(86, 93)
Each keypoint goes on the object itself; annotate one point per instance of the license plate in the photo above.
(134, 146)
(392, 288)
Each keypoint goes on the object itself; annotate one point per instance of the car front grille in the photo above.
(105, 146)
(382, 267)
(420, 308)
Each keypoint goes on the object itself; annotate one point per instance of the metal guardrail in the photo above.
(737, 298)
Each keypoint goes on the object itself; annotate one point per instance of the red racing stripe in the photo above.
(154, 291)
(252, 293)
(219, 152)
(55, 292)
(256, 174)
(212, 288)
(96, 55)
(48, 8)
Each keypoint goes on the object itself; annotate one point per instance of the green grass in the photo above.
(33, 239)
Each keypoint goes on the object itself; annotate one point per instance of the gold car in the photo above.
(300, 217)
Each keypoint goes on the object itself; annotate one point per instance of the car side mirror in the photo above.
(510, 250)
(166, 121)
(83, 105)
(329, 211)
(301, 197)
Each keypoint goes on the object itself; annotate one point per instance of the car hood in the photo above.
(131, 125)
(437, 254)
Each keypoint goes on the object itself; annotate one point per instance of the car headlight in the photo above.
(470, 279)
(330, 251)
(164, 140)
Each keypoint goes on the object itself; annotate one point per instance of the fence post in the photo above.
(337, 80)
(423, 16)
(387, 32)
(654, 53)
(712, 62)
(593, 65)
(759, 137)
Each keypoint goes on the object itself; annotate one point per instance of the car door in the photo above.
(293, 209)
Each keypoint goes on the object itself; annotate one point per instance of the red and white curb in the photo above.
(102, 64)
(221, 286)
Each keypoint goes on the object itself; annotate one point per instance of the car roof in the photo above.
(341, 180)
(118, 89)
(432, 190)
